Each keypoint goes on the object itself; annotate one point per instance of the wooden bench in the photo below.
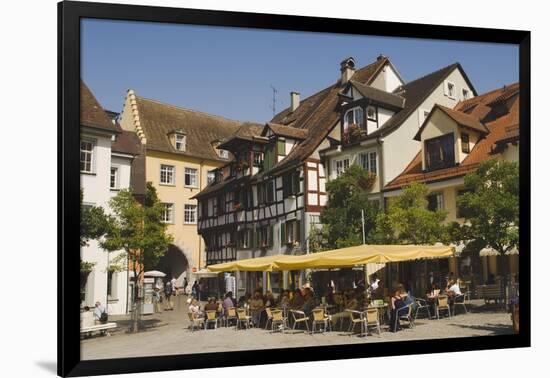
(489, 292)
(88, 326)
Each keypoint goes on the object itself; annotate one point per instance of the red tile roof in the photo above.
(91, 112)
(501, 128)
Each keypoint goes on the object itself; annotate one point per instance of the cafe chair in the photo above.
(319, 317)
(196, 322)
(372, 319)
(422, 304)
(355, 318)
(242, 318)
(231, 315)
(442, 304)
(460, 300)
(278, 320)
(405, 316)
(299, 317)
(211, 318)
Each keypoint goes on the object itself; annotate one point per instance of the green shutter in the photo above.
(283, 233)
(281, 147)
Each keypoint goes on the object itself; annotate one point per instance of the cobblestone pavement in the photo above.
(167, 333)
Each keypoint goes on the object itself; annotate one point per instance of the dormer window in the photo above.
(179, 140)
(465, 142)
(440, 152)
(353, 116)
(223, 154)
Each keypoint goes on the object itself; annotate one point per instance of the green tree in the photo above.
(491, 206)
(408, 220)
(138, 230)
(348, 196)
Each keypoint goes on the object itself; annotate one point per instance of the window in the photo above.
(204, 208)
(290, 232)
(114, 178)
(189, 213)
(422, 115)
(465, 94)
(435, 202)
(261, 193)
(368, 161)
(354, 116)
(371, 113)
(450, 89)
(465, 142)
(86, 156)
(340, 166)
(265, 236)
(440, 152)
(220, 204)
(167, 173)
(191, 177)
(111, 284)
(460, 211)
(291, 183)
(168, 215)
(180, 142)
(258, 159)
(210, 177)
(224, 154)
(244, 238)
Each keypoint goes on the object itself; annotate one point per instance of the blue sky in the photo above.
(230, 71)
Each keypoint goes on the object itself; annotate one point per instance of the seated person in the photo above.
(269, 299)
(211, 305)
(256, 307)
(244, 300)
(309, 302)
(297, 302)
(396, 309)
(284, 299)
(195, 309)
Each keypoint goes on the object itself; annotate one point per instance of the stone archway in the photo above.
(175, 263)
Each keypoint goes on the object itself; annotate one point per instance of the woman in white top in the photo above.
(453, 289)
(195, 309)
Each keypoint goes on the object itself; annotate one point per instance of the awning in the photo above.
(337, 258)
(364, 254)
(258, 264)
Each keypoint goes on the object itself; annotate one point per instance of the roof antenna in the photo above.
(274, 98)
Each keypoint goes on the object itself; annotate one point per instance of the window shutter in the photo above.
(283, 233)
(297, 230)
(281, 147)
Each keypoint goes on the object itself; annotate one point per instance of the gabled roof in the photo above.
(127, 142)
(500, 129)
(286, 131)
(462, 119)
(91, 113)
(158, 120)
(246, 132)
(415, 93)
(319, 114)
(380, 96)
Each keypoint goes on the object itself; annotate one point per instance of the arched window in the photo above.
(353, 116)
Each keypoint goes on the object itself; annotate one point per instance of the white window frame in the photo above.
(192, 173)
(446, 89)
(354, 110)
(172, 213)
(423, 114)
(189, 213)
(182, 143)
(223, 154)
(367, 164)
(164, 167)
(117, 177)
(210, 177)
(92, 152)
(339, 171)
(466, 93)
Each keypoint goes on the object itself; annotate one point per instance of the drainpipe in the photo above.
(380, 143)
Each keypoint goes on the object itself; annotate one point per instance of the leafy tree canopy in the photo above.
(94, 223)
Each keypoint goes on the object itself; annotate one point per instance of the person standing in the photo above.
(200, 288)
(185, 284)
(195, 289)
(169, 305)
(156, 299)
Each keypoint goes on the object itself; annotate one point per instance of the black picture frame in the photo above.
(69, 15)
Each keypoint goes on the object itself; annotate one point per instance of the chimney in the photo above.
(347, 69)
(294, 101)
(380, 57)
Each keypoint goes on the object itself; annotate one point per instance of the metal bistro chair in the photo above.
(372, 319)
(211, 318)
(408, 316)
(278, 319)
(231, 315)
(442, 304)
(460, 300)
(356, 317)
(422, 304)
(196, 323)
(242, 318)
(299, 317)
(320, 317)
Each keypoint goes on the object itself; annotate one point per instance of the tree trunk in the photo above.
(136, 313)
